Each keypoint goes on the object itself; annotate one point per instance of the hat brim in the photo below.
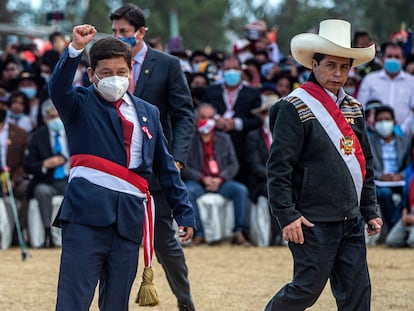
(304, 46)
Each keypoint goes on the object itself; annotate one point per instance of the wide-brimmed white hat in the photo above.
(267, 102)
(334, 39)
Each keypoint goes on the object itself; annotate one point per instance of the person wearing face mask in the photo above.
(211, 167)
(392, 85)
(234, 102)
(19, 109)
(30, 84)
(391, 157)
(13, 144)
(47, 161)
(158, 79)
(116, 144)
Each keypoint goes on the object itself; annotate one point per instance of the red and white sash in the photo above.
(339, 131)
(113, 176)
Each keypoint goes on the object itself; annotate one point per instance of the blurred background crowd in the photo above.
(234, 77)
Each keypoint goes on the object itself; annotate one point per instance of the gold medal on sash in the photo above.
(347, 144)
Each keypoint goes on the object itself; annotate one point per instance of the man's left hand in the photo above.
(185, 233)
(374, 226)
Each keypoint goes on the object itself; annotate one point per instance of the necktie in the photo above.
(131, 87)
(59, 172)
(127, 129)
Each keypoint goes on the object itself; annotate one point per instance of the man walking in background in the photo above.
(158, 79)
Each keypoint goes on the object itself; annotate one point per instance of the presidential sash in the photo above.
(339, 131)
(110, 175)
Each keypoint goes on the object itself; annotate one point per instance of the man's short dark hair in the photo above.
(320, 56)
(107, 48)
(385, 45)
(384, 109)
(131, 13)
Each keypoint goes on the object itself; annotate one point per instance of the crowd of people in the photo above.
(232, 87)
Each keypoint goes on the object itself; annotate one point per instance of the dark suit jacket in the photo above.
(248, 99)
(223, 151)
(162, 83)
(256, 158)
(93, 128)
(403, 152)
(39, 150)
(18, 141)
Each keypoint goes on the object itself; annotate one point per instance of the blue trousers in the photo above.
(334, 251)
(232, 190)
(92, 254)
(390, 212)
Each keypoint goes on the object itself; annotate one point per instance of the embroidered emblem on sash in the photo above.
(347, 144)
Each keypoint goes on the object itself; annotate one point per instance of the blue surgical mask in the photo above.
(392, 65)
(30, 91)
(55, 125)
(232, 77)
(128, 40)
(15, 116)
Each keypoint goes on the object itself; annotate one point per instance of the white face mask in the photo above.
(112, 88)
(384, 128)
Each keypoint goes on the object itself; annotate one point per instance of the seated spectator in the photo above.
(47, 162)
(257, 151)
(198, 83)
(211, 167)
(284, 85)
(19, 110)
(402, 234)
(13, 143)
(351, 86)
(370, 114)
(391, 156)
(234, 102)
(9, 73)
(31, 84)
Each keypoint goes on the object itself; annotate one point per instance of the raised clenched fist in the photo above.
(82, 35)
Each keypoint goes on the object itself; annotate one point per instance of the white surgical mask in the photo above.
(112, 88)
(384, 128)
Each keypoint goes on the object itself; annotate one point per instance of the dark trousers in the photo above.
(170, 253)
(92, 254)
(334, 251)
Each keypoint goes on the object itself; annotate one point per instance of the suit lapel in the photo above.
(146, 70)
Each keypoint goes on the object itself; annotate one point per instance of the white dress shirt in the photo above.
(397, 93)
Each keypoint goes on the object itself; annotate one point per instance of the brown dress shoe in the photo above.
(239, 239)
(198, 240)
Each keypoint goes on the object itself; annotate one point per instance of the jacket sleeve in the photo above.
(181, 110)
(288, 140)
(171, 183)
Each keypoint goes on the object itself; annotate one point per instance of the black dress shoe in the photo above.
(186, 306)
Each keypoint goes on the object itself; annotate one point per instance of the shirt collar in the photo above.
(139, 57)
(400, 76)
(337, 99)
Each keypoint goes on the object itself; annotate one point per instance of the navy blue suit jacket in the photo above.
(248, 99)
(162, 83)
(93, 127)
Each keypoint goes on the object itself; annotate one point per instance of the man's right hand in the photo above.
(54, 161)
(293, 231)
(82, 35)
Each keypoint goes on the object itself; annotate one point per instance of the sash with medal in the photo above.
(339, 131)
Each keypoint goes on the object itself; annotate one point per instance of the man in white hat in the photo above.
(320, 175)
